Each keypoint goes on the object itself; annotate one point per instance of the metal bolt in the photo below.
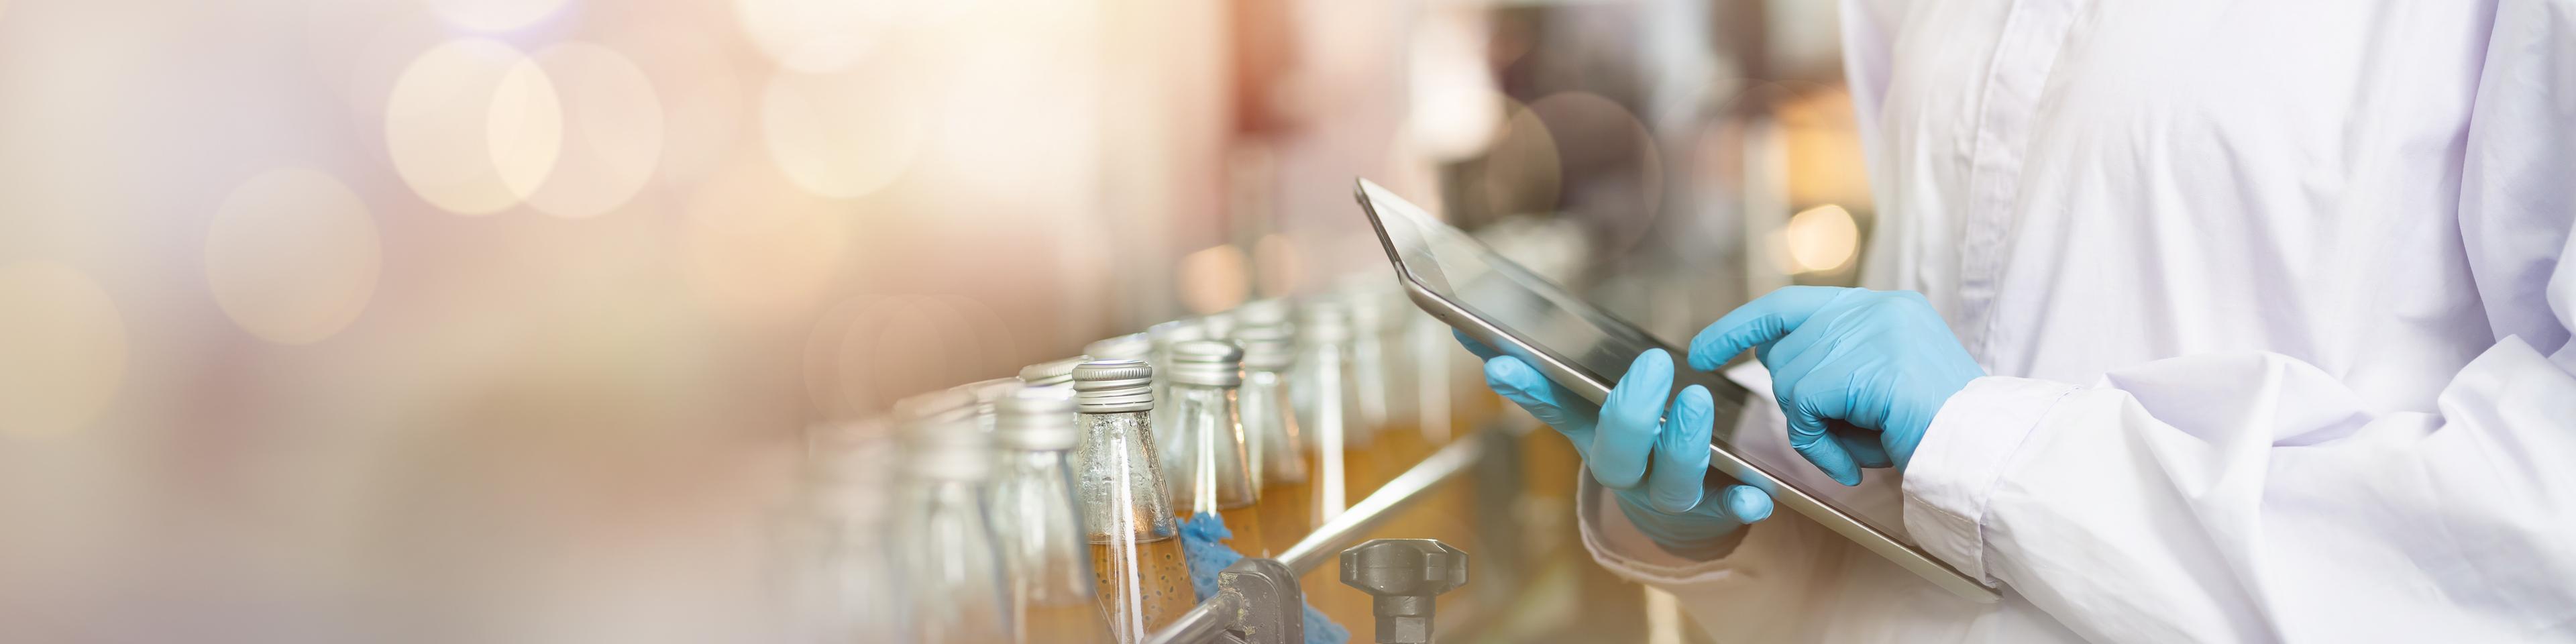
(1404, 576)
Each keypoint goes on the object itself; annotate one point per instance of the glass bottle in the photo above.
(1135, 545)
(1320, 391)
(1270, 432)
(1164, 336)
(1383, 385)
(835, 571)
(1213, 470)
(952, 567)
(1039, 520)
(954, 403)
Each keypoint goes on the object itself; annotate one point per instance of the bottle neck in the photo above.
(1121, 485)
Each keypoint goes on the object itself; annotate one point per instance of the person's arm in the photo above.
(2254, 497)
(2250, 496)
(2246, 496)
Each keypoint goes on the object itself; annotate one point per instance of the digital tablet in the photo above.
(1584, 349)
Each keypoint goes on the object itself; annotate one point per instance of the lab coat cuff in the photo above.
(1953, 473)
(1623, 549)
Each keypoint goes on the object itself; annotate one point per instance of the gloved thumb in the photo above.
(1745, 504)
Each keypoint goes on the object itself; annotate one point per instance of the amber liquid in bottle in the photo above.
(1287, 514)
(1146, 593)
(1245, 523)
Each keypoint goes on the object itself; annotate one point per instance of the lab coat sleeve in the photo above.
(1761, 592)
(1776, 584)
(1868, 31)
(2251, 496)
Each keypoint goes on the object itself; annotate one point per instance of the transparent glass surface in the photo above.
(952, 567)
(1214, 471)
(1135, 546)
(1270, 432)
(1325, 397)
(1320, 392)
(1269, 428)
(1046, 552)
(1381, 380)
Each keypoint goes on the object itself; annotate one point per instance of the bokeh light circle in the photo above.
(817, 35)
(1822, 238)
(494, 15)
(293, 256)
(612, 131)
(842, 135)
(472, 125)
(62, 349)
(1601, 140)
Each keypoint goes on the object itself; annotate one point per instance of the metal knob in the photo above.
(1404, 576)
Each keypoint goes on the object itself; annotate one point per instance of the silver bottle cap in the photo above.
(1270, 312)
(947, 449)
(1037, 418)
(952, 403)
(1218, 325)
(1168, 333)
(989, 392)
(1266, 348)
(1113, 386)
(1133, 346)
(1051, 373)
(1212, 363)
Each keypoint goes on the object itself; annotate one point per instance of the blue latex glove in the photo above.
(1882, 361)
(1653, 458)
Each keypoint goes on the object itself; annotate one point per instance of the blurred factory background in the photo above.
(499, 320)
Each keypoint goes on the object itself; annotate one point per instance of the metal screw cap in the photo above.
(1051, 373)
(1210, 363)
(1113, 386)
(1133, 346)
(1037, 418)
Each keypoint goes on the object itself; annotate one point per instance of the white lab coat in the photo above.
(2273, 300)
